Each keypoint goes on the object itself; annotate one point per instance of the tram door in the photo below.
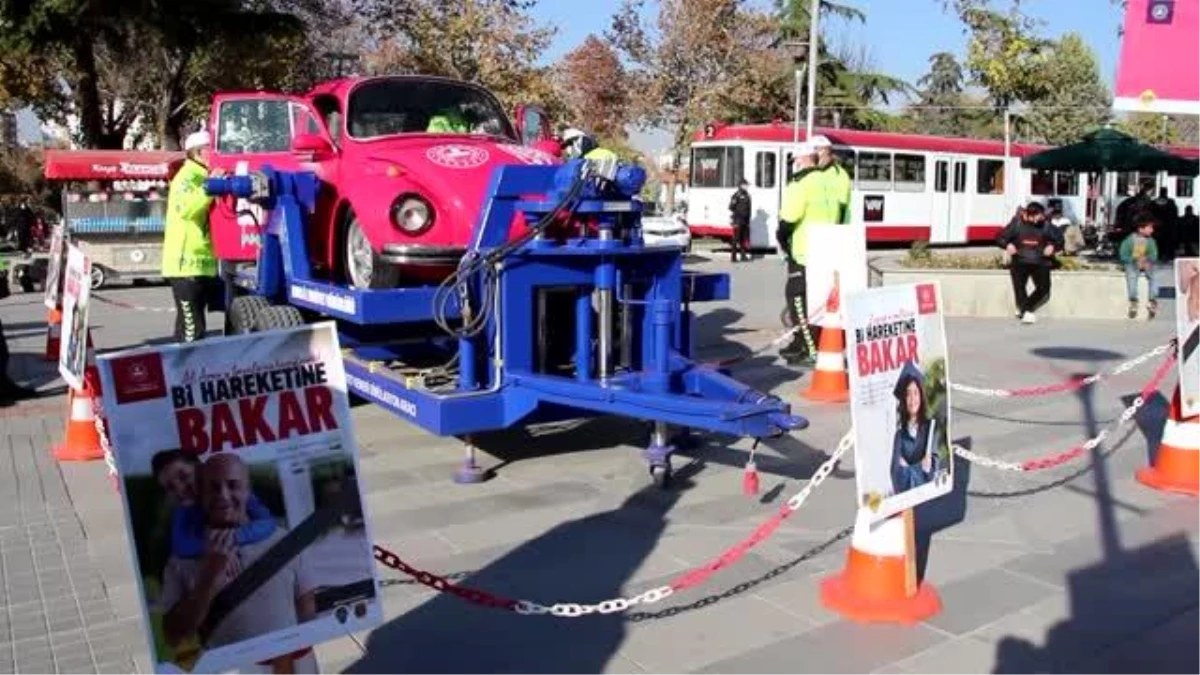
(764, 197)
(949, 207)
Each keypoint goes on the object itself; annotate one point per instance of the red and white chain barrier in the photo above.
(689, 579)
(1068, 386)
(102, 432)
(1078, 451)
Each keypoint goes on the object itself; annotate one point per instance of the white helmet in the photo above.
(576, 143)
(197, 140)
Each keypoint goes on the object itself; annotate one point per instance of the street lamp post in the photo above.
(796, 49)
(813, 20)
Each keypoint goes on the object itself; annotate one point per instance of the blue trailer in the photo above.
(573, 318)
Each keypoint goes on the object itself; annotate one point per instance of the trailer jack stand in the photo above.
(470, 472)
(658, 454)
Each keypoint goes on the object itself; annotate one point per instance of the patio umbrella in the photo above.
(1110, 150)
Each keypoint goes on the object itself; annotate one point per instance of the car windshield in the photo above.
(388, 107)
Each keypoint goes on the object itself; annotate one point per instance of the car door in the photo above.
(533, 125)
(251, 130)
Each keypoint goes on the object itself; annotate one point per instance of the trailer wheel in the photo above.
(661, 475)
(243, 313)
(98, 277)
(364, 268)
(277, 317)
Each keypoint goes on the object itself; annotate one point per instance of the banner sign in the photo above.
(834, 252)
(899, 398)
(240, 478)
(77, 291)
(1157, 71)
(53, 291)
(1187, 330)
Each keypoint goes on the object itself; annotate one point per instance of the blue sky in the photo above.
(901, 34)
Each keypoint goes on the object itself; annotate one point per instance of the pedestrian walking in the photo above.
(1139, 252)
(1030, 245)
(739, 216)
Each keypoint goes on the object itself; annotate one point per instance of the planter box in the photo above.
(1090, 294)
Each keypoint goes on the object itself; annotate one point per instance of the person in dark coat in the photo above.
(1030, 245)
(1166, 235)
(739, 217)
(1189, 232)
(913, 461)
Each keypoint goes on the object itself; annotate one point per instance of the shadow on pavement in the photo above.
(585, 560)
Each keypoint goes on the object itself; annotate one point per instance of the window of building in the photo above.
(1185, 187)
(910, 173)
(1066, 183)
(1041, 182)
(874, 171)
(764, 170)
(989, 177)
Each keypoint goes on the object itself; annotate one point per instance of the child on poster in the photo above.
(914, 463)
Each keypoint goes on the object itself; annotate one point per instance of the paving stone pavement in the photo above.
(1076, 569)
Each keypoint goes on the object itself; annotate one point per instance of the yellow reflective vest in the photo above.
(601, 154)
(187, 242)
(818, 196)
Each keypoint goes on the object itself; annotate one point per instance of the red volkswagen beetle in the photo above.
(404, 162)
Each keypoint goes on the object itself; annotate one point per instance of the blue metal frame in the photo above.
(500, 388)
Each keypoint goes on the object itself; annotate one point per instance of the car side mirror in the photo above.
(312, 144)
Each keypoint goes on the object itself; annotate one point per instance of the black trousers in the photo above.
(193, 298)
(741, 240)
(1021, 274)
(796, 292)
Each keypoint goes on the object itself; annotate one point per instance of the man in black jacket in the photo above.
(1031, 246)
(739, 217)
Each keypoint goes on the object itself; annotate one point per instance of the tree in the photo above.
(687, 64)
(939, 108)
(493, 43)
(1005, 55)
(1077, 103)
(591, 81)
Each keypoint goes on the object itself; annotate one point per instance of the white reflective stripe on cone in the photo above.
(81, 409)
(830, 361)
(1182, 435)
(885, 539)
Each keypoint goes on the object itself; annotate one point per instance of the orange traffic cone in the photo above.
(830, 381)
(1176, 466)
(82, 441)
(879, 583)
(53, 334)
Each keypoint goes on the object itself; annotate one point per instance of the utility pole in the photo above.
(795, 49)
(814, 19)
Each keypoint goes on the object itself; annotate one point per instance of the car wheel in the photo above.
(98, 277)
(364, 268)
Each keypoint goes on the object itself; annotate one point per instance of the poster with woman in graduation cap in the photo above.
(899, 399)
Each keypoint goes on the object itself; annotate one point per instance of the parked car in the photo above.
(667, 231)
(404, 162)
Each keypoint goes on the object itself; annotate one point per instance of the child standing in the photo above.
(1139, 253)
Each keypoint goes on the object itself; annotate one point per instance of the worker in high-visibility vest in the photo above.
(817, 195)
(189, 262)
(837, 174)
(577, 144)
(448, 121)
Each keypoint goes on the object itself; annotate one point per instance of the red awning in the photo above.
(111, 164)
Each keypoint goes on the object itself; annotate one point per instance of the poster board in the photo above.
(1187, 331)
(1154, 33)
(896, 347)
(76, 297)
(240, 480)
(54, 267)
(840, 249)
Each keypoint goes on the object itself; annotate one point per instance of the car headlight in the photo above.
(412, 214)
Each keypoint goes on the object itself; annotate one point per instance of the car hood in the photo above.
(453, 173)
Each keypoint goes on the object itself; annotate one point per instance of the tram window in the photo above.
(1041, 182)
(989, 177)
(910, 173)
(845, 157)
(1185, 187)
(1066, 183)
(941, 175)
(960, 176)
(764, 170)
(1137, 179)
(716, 167)
(874, 171)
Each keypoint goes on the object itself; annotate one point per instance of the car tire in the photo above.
(98, 277)
(278, 317)
(243, 313)
(363, 267)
